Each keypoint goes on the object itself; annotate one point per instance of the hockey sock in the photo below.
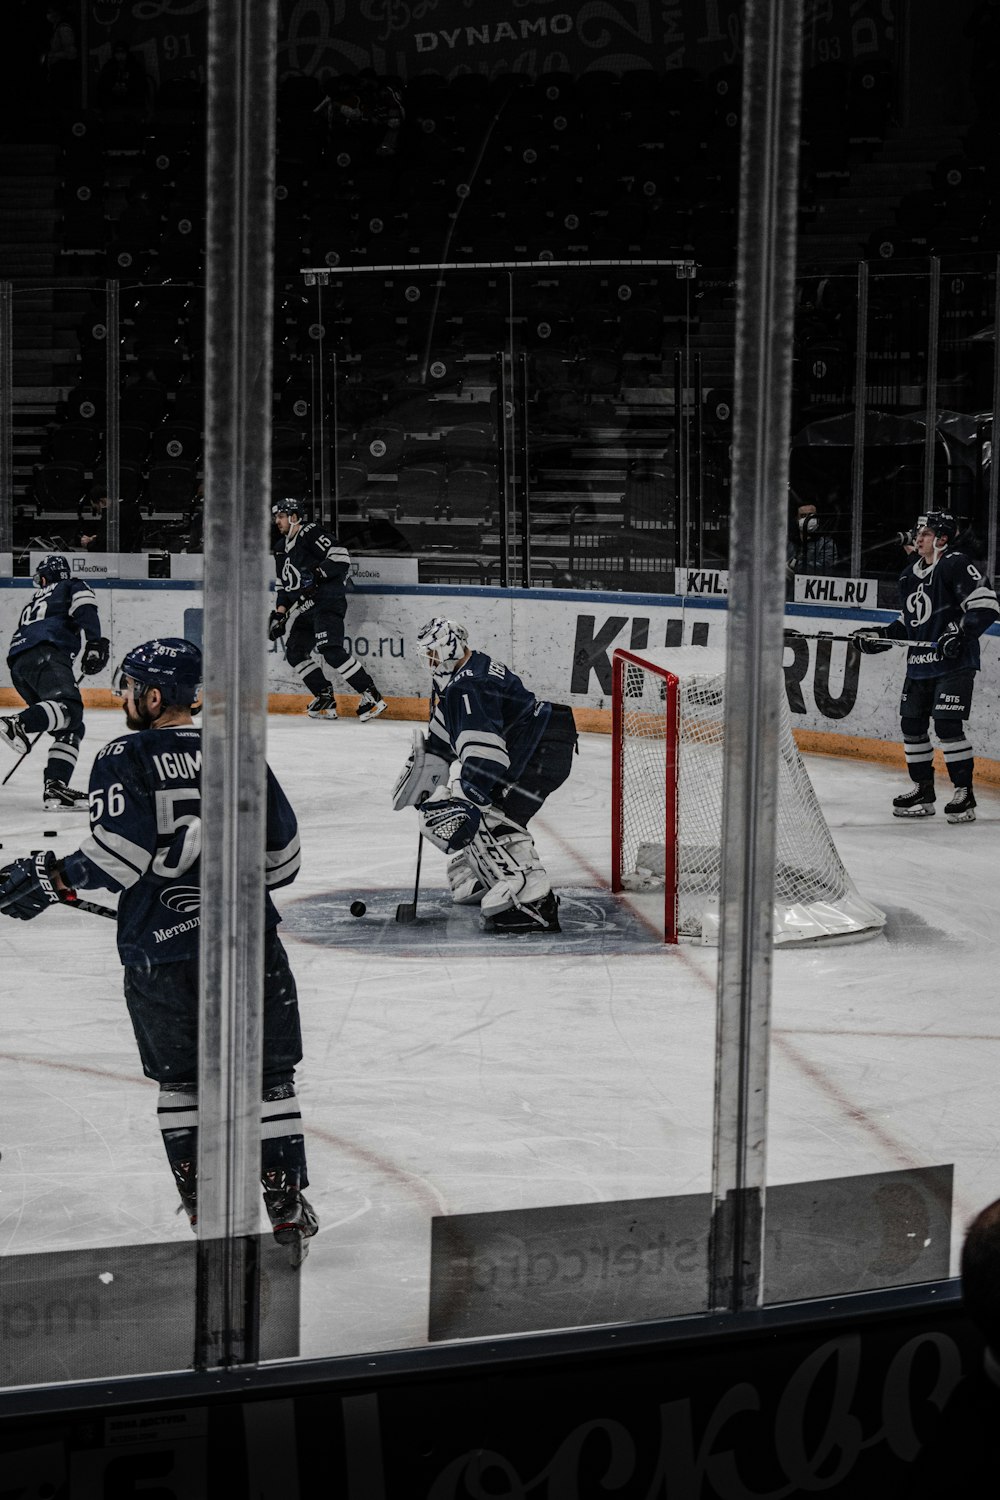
(361, 681)
(957, 751)
(919, 754)
(44, 716)
(282, 1146)
(61, 762)
(177, 1113)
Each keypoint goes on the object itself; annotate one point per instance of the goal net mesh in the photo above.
(664, 753)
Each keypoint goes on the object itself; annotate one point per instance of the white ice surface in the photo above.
(491, 1079)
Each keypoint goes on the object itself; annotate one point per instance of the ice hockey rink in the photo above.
(449, 1072)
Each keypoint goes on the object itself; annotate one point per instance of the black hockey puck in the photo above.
(358, 908)
(51, 833)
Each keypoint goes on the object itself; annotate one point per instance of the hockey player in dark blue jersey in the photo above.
(513, 750)
(311, 604)
(945, 606)
(144, 843)
(40, 658)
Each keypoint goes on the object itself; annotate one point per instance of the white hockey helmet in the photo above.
(443, 644)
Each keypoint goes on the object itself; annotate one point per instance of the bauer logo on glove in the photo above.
(26, 887)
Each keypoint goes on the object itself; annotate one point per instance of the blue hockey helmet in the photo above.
(443, 643)
(51, 569)
(170, 664)
(941, 522)
(289, 507)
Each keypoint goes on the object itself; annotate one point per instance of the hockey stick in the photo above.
(828, 635)
(94, 907)
(406, 911)
(25, 753)
(89, 906)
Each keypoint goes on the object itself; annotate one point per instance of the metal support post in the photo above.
(860, 413)
(112, 395)
(754, 680)
(930, 416)
(242, 70)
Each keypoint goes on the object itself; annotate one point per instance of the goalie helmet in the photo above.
(51, 569)
(941, 522)
(171, 664)
(443, 644)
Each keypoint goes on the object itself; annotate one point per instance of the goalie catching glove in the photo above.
(450, 824)
(26, 887)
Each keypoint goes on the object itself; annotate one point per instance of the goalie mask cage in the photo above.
(668, 715)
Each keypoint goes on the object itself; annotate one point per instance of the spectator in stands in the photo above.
(61, 60)
(93, 535)
(123, 86)
(810, 549)
(964, 1447)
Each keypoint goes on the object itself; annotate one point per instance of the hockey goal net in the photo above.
(668, 723)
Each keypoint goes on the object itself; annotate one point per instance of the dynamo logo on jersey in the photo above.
(182, 898)
(918, 606)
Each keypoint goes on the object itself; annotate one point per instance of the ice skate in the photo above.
(60, 797)
(293, 1219)
(13, 735)
(535, 917)
(370, 706)
(918, 803)
(962, 807)
(324, 706)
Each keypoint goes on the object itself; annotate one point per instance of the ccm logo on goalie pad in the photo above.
(450, 824)
(421, 775)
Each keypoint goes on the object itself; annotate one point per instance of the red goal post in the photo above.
(668, 725)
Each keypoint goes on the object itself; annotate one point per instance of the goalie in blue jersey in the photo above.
(145, 844)
(512, 751)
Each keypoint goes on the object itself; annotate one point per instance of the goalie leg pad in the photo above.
(506, 859)
(467, 886)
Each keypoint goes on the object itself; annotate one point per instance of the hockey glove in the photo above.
(423, 773)
(450, 824)
(949, 647)
(277, 624)
(95, 656)
(26, 886)
(871, 642)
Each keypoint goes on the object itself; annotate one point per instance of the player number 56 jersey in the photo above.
(145, 841)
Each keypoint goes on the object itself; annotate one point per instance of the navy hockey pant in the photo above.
(948, 700)
(547, 769)
(320, 630)
(162, 1003)
(44, 678)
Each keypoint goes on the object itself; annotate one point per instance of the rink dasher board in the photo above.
(561, 642)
